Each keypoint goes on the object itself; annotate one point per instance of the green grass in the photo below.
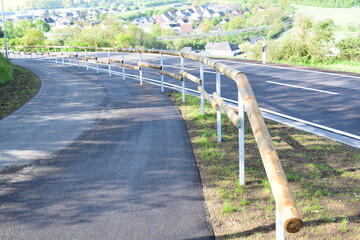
(6, 70)
(18, 90)
(323, 176)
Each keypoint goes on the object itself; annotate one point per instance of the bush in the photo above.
(5, 70)
(350, 49)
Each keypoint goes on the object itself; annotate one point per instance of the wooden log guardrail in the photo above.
(172, 75)
(150, 65)
(190, 77)
(207, 96)
(115, 61)
(287, 209)
(130, 66)
(224, 108)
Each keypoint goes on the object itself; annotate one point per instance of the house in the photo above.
(186, 29)
(49, 21)
(167, 18)
(182, 21)
(183, 14)
(221, 49)
(254, 40)
(187, 50)
(146, 26)
(174, 26)
(208, 13)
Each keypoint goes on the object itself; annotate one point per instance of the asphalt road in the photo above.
(120, 164)
(328, 99)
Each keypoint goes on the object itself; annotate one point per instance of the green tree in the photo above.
(42, 26)
(236, 23)
(33, 37)
(156, 30)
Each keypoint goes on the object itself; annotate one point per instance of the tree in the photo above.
(33, 37)
(236, 23)
(42, 26)
(156, 30)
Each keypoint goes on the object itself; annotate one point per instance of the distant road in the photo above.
(329, 99)
(213, 34)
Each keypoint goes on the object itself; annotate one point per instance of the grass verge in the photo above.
(18, 90)
(324, 177)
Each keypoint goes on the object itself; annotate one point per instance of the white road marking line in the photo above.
(311, 89)
(289, 68)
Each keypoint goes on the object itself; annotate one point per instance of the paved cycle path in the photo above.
(115, 163)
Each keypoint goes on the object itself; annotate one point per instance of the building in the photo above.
(221, 49)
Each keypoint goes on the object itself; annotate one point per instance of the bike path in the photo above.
(117, 165)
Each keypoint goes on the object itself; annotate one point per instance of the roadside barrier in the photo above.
(287, 214)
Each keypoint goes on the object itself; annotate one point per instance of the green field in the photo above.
(347, 20)
(343, 17)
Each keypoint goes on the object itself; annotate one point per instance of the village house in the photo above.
(221, 49)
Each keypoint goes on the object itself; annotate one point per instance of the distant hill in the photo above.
(328, 3)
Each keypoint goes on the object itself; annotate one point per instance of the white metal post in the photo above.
(280, 231)
(140, 72)
(70, 60)
(62, 57)
(97, 64)
(218, 112)
(87, 63)
(56, 60)
(78, 61)
(241, 140)
(183, 82)
(264, 52)
(123, 61)
(202, 84)
(109, 63)
(162, 76)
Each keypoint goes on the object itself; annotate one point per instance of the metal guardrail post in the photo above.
(109, 63)
(280, 231)
(97, 64)
(264, 52)
(218, 111)
(56, 60)
(162, 76)
(241, 140)
(140, 72)
(202, 85)
(183, 82)
(87, 62)
(123, 60)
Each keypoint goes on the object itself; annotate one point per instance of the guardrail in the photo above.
(288, 216)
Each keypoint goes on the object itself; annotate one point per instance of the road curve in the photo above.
(125, 168)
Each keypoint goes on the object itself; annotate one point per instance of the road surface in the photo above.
(113, 161)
